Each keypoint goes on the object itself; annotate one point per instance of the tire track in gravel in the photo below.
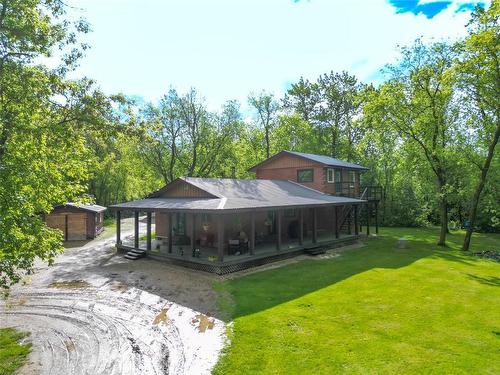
(104, 332)
(94, 329)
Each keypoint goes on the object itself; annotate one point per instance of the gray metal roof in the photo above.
(327, 160)
(234, 194)
(321, 159)
(85, 206)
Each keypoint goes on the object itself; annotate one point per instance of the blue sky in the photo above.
(228, 48)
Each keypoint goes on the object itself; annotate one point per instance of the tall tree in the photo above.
(267, 111)
(43, 120)
(333, 106)
(184, 138)
(416, 103)
(479, 72)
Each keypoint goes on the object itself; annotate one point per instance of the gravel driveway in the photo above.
(95, 312)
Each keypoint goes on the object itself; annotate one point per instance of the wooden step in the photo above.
(137, 251)
(316, 251)
(135, 254)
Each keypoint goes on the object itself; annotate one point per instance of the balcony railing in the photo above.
(353, 190)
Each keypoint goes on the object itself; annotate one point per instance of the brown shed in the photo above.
(77, 221)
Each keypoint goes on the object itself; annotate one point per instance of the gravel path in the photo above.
(94, 312)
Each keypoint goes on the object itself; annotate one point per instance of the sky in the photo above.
(228, 49)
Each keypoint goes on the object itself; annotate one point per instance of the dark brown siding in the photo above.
(182, 189)
(285, 167)
(75, 224)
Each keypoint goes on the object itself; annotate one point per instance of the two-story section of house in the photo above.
(319, 172)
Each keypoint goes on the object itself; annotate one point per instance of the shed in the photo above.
(77, 221)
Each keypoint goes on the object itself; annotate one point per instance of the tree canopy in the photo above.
(428, 133)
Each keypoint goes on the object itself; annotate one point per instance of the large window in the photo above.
(305, 175)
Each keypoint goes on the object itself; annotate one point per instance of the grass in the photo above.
(110, 222)
(376, 309)
(12, 354)
(144, 237)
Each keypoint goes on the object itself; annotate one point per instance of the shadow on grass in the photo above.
(492, 280)
(270, 288)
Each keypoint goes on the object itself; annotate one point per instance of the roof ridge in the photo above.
(185, 179)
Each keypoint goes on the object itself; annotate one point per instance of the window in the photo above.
(305, 175)
(270, 222)
(290, 213)
(352, 176)
(179, 226)
(330, 175)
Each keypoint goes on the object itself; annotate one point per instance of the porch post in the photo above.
(252, 232)
(278, 232)
(356, 226)
(315, 226)
(136, 229)
(376, 217)
(349, 223)
(193, 231)
(118, 227)
(334, 220)
(148, 232)
(367, 208)
(220, 238)
(337, 221)
(169, 238)
(301, 226)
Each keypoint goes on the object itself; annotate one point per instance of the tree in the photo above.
(183, 138)
(333, 106)
(267, 110)
(416, 102)
(43, 121)
(164, 130)
(479, 73)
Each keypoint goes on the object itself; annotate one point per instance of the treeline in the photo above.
(428, 133)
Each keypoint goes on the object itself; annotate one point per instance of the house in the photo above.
(77, 221)
(223, 225)
(319, 172)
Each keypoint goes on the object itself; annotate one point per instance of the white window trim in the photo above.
(332, 180)
(353, 176)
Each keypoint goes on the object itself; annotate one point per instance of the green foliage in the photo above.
(12, 354)
(376, 309)
(44, 120)
(423, 133)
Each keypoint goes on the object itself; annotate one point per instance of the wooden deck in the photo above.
(263, 253)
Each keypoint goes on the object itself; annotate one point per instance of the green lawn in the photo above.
(12, 354)
(376, 309)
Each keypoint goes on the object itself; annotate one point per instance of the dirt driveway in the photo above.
(95, 312)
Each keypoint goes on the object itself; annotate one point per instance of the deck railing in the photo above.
(353, 190)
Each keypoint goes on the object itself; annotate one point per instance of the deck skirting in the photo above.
(234, 265)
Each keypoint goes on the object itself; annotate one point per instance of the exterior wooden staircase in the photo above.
(135, 254)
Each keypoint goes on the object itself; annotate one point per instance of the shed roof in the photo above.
(84, 207)
(235, 194)
(321, 159)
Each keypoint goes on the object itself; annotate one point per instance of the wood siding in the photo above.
(161, 224)
(286, 167)
(182, 189)
(75, 224)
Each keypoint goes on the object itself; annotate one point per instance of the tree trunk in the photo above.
(443, 207)
(267, 143)
(444, 222)
(479, 189)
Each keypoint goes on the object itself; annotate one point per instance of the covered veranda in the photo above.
(220, 237)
